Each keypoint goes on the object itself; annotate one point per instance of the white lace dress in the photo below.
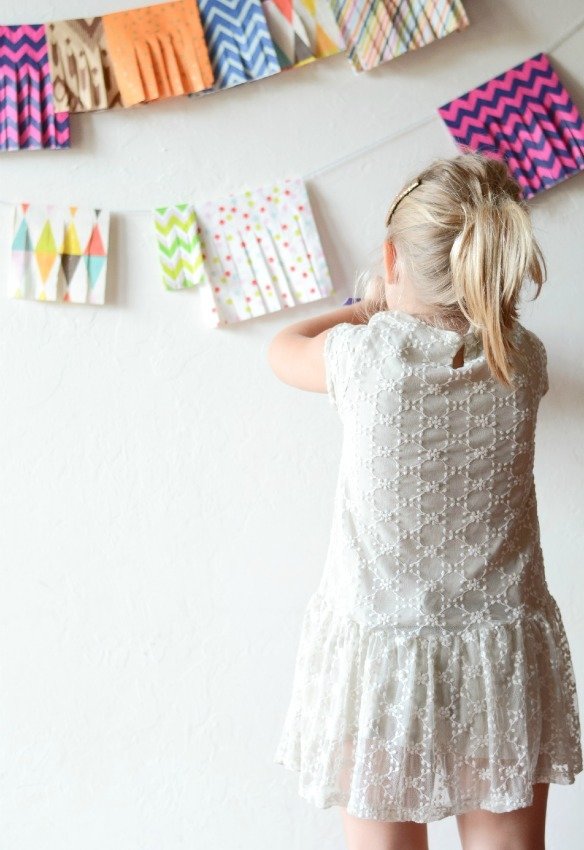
(433, 673)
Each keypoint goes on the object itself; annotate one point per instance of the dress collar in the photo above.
(425, 327)
(450, 340)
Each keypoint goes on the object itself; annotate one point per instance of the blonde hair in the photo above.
(464, 241)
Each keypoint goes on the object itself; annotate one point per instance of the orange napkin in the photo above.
(158, 51)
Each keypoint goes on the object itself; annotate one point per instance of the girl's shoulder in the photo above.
(530, 338)
(534, 356)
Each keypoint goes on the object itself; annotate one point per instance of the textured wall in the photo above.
(166, 500)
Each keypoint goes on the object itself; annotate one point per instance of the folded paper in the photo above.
(158, 51)
(28, 119)
(376, 31)
(81, 68)
(526, 117)
(262, 253)
(59, 254)
(179, 246)
(302, 30)
(239, 41)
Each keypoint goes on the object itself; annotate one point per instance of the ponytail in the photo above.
(489, 260)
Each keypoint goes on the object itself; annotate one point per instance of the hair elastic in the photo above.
(399, 198)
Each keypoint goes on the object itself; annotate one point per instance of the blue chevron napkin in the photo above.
(238, 41)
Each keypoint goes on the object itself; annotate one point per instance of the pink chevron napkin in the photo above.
(526, 117)
(27, 110)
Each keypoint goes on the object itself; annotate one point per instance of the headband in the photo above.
(399, 198)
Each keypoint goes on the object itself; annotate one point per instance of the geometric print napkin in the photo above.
(302, 30)
(59, 254)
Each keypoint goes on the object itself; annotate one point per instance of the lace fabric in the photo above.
(433, 673)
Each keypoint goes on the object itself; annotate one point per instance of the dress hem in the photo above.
(322, 801)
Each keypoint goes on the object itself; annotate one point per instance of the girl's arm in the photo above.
(296, 353)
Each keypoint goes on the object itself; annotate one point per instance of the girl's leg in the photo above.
(523, 829)
(366, 834)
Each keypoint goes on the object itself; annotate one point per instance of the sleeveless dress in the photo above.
(433, 674)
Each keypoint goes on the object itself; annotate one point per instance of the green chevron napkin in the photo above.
(179, 246)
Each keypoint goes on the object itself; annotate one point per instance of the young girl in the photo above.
(433, 674)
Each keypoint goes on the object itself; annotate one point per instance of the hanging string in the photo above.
(329, 166)
(567, 34)
(383, 140)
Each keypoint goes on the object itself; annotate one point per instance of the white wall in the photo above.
(166, 500)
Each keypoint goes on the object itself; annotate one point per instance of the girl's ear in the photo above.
(389, 261)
